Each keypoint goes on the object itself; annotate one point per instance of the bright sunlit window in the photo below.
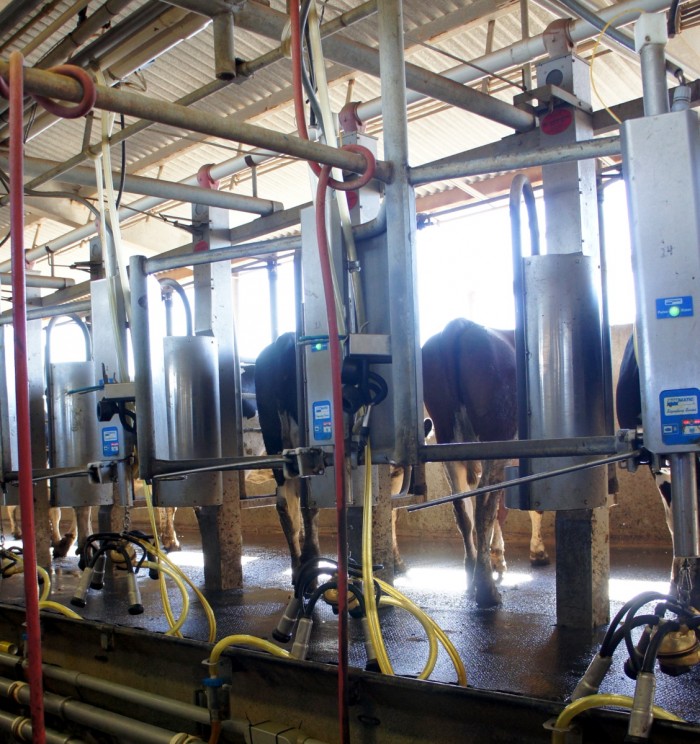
(464, 270)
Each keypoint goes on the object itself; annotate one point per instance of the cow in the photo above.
(276, 395)
(628, 406)
(80, 528)
(469, 391)
(276, 389)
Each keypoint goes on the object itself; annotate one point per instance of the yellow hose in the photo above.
(164, 598)
(425, 622)
(599, 701)
(46, 589)
(49, 605)
(375, 630)
(163, 558)
(243, 640)
(432, 629)
(174, 628)
(439, 632)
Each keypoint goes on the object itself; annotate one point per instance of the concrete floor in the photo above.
(516, 648)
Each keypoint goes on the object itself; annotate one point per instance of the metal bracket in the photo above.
(303, 462)
(557, 39)
(547, 97)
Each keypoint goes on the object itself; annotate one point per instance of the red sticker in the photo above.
(557, 121)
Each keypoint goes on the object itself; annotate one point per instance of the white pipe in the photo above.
(164, 190)
(526, 50)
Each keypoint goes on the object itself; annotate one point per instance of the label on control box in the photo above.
(110, 441)
(322, 422)
(674, 307)
(680, 416)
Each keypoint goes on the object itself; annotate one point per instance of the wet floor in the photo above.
(515, 648)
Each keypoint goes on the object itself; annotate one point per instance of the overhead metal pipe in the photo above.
(15, 11)
(181, 192)
(35, 313)
(524, 51)
(209, 8)
(43, 282)
(164, 112)
(199, 258)
(449, 168)
(366, 59)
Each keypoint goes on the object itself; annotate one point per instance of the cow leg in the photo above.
(61, 543)
(83, 519)
(485, 513)
(538, 552)
(289, 511)
(310, 549)
(15, 528)
(497, 552)
(166, 527)
(458, 474)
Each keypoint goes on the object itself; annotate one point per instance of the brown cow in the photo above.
(469, 390)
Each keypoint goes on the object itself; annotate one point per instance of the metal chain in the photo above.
(126, 526)
(684, 582)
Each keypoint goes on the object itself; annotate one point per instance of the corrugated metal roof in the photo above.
(435, 130)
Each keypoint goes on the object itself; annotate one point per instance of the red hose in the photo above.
(324, 181)
(19, 319)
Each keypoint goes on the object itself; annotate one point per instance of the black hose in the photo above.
(178, 289)
(631, 606)
(655, 643)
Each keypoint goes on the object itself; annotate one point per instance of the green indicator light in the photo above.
(674, 311)
(319, 346)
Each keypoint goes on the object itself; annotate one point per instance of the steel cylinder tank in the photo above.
(564, 373)
(194, 421)
(75, 434)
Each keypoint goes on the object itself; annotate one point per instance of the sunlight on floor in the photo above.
(195, 558)
(451, 580)
(623, 589)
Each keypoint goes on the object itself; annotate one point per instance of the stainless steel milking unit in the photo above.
(662, 173)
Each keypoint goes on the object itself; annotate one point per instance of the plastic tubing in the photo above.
(429, 631)
(599, 701)
(259, 644)
(49, 605)
(207, 607)
(46, 589)
(19, 319)
(164, 597)
(174, 627)
(439, 632)
(367, 575)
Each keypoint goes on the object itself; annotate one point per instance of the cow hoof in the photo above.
(61, 549)
(171, 547)
(17, 535)
(487, 597)
(399, 567)
(498, 563)
(539, 559)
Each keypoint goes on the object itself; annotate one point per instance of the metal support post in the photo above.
(406, 373)
(220, 526)
(564, 343)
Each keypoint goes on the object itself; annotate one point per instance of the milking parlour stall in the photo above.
(290, 290)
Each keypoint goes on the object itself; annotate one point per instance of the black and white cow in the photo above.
(80, 528)
(276, 396)
(469, 390)
(628, 405)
